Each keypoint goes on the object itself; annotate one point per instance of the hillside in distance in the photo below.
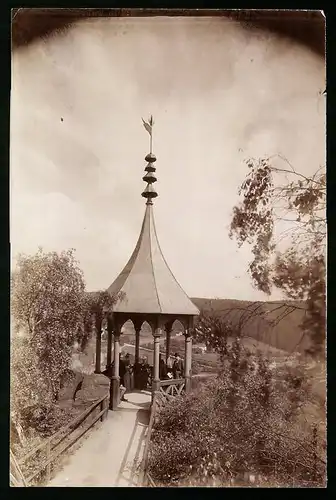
(274, 323)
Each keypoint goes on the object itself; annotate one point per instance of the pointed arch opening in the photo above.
(176, 338)
(127, 338)
(178, 327)
(127, 326)
(146, 330)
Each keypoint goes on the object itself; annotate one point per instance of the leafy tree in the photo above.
(293, 260)
(96, 306)
(216, 328)
(212, 331)
(51, 313)
(28, 386)
(48, 305)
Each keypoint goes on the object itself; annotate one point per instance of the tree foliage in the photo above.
(292, 260)
(96, 306)
(51, 312)
(48, 304)
(213, 331)
(28, 386)
(48, 308)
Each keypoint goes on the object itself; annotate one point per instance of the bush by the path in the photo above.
(247, 420)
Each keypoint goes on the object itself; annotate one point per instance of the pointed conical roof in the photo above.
(146, 284)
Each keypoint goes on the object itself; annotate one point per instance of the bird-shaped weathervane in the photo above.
(149, 127)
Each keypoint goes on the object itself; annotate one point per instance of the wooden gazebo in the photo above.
(146, 290)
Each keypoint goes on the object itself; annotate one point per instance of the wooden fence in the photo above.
(170, 389)
(143, 474)
(60, 442)
(16, 476)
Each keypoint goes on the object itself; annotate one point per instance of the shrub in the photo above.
(246, 419)
(45, 419)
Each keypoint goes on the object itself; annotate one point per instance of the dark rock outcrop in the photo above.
(70, 386)
(94, 387)
(83, 390)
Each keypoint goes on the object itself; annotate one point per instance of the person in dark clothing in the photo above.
(109, 371)
(144, 373)
(177, 366)
(162, 368)
(122, 370)
(128, 369)
(122, 373)
(137, 375)
(127, 359)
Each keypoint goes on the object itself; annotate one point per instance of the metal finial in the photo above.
(149, 193)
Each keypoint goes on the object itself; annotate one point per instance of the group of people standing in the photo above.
(172, 369)
(132, 376)
(139, 375)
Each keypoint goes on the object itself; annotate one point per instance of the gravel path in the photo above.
(108, 457)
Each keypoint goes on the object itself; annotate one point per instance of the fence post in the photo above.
(48, 458)
(16, 471)
(104, 406)
(107, 404)
(144, 463)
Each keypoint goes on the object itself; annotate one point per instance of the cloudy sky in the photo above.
(218, 93)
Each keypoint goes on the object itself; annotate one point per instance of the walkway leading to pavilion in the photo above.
(110, 454)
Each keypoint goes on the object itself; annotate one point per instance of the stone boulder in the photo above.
(94, 387)
(70, 386)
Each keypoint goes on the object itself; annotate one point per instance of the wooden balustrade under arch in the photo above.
(169, 390)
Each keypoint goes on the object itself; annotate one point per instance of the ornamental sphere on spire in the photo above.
(149, 193)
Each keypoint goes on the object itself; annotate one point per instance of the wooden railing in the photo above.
(169, 389)
(63, 440)
(16, 476)
(144, 477)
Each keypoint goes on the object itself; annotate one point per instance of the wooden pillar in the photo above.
(136, 372)
(115, 382)
(168, 328)
(109, 341)
(187, 360)
(137, 343)
(97, 326)
(156, 378)
(168, 333)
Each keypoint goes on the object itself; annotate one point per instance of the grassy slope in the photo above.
(287, 335)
